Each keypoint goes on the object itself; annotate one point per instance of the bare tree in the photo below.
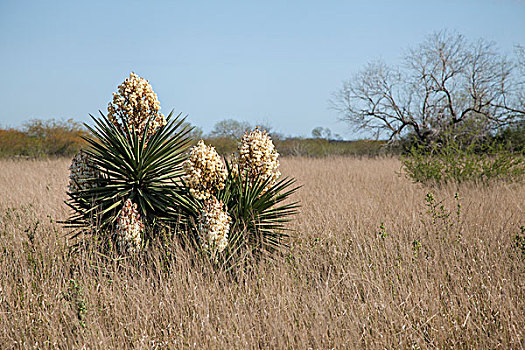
(444, 82)
(321, 133)
(230, 128)
(520, 59)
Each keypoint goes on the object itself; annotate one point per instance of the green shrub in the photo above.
(442, 162)
(512, 138)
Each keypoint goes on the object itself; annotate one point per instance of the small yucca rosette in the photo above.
(205, 171)
(135, 105)
(214, 225)
(129, 228)
(258, 157)
(82, 173)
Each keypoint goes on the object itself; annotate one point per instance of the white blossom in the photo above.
(129, 228)
(135, 105)
(258, 157)
(204, 170)
(214, 225)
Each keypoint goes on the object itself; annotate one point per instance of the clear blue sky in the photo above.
(271, 61)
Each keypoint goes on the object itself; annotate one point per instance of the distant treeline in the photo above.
(311, 147)
(39, 138)
(52, 138)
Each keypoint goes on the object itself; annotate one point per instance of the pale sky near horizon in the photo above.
(276, 62)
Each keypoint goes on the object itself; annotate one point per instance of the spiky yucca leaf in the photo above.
(259, 212)
(136, 166)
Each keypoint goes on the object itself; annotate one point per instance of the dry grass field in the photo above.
(422, 279)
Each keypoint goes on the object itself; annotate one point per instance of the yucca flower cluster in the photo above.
(258, 157)
(135, 105)
(214, 225)
(82, 172)
(205, 172)
(129, 228)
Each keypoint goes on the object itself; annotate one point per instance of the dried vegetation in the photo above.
(376, 262)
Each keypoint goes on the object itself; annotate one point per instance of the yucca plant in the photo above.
(252, 213)
(137, 180)
(240, 208)
(140, 168)
(259, 209)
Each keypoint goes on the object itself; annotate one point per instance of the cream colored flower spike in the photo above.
(81, 171)
(204, 170)
(214, 225)
(129, 228)
(258, 157)
(135, 104)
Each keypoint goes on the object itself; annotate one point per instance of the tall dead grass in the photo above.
(425, 281)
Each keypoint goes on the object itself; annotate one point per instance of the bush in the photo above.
(39, 138)
(512, 138)
(452, 161)
(15, 143)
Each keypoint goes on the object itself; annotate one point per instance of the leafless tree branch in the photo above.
(444, 81)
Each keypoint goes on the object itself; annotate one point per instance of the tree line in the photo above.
(445, 88)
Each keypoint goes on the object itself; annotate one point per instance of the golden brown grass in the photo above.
(340, 286)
